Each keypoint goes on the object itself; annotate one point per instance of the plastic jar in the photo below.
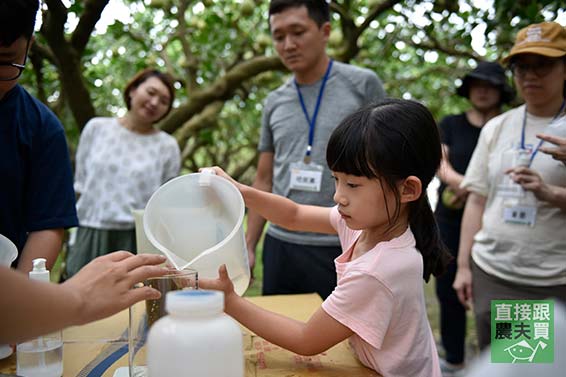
(196, 338)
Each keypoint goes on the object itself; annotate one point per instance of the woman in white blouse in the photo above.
(120, 162)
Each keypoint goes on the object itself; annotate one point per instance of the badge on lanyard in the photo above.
(306, 175)
(518, 214)
(513, 157)
(520, 206)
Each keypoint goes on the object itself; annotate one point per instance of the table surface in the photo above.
(99, 348)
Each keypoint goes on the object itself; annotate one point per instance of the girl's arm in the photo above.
(282, 211)
(313, 337)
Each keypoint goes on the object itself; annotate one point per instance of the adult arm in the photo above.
(471, 224)
(101, 288)
(263, 181)
(41, 244)
(446, 172)
(317, 335)
(449, 176)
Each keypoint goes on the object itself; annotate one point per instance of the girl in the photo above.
(382, 157)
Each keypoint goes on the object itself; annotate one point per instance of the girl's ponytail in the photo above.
(423, 225)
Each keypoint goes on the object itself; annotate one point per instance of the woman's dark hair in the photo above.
(392, 140)
(142, 76)
(17, 19)
(318, 10)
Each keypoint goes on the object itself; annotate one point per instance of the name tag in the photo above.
(523, 215)
(306, 177)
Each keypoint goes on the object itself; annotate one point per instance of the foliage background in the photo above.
(220, 52)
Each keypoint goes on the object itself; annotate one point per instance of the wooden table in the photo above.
(99, 348)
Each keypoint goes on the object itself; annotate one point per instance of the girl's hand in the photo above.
(530, 180)
(221, 173)
(223, 283)
(463, 286)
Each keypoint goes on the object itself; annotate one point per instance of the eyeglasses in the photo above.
(540, 68)
(11, 71)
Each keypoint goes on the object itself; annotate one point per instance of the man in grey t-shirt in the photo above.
(300, 116)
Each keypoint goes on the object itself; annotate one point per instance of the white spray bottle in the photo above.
(42, 356)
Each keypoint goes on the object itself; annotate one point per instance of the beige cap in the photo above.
(546, 38)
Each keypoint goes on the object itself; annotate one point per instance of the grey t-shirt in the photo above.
(285, 132)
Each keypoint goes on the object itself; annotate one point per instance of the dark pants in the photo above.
(452, 313)
(290, 268)
(91, 243)
(486, 287)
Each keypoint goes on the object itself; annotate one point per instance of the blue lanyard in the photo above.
(542, 141)
(312, 121)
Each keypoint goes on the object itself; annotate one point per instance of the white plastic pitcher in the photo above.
(8, 251)
(197, 221)
(8, 254)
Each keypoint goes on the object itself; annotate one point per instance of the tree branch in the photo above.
(92, 11)
(191, 62)
(43, 52)
(198, 122)
(222, 89)
(37, 64)
(54, 21)
(435, 45)
(374, 13)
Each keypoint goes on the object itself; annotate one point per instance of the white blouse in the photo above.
(117, 170)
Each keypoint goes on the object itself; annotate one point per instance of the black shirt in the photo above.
(461, 137)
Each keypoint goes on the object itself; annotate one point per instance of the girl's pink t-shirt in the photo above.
(380, 297)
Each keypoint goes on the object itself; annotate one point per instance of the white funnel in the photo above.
(196, 220)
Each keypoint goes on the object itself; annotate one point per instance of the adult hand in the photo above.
(463, 286)
(530, 180)
(460, 196)
(558, 152)
(105, 285)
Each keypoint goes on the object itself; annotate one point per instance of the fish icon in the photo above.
(524, 351)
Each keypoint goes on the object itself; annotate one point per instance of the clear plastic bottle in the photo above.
(196, 338)
(42, 356)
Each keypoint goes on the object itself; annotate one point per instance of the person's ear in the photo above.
(411, 189)
(326, 28)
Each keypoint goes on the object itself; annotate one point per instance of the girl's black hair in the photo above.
(392, 140)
